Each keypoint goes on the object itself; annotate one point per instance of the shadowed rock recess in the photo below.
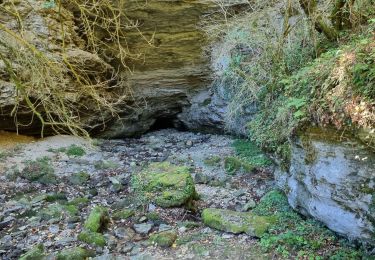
(171, 71)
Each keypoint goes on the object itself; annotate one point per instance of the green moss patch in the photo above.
(237, 222)
(36, 253)
(79, 178)
(293, 236)
(234, 164)
(165, 184)
(92, 238)
(98, 219)
(76, 253)
(250, 153)
(123, 214)
(212, 161)
(164, 239)
(39, 170)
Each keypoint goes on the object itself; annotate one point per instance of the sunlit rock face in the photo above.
(175, 69)
(167, 69)
(332, 178)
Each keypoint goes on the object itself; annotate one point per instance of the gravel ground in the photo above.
(30, 215)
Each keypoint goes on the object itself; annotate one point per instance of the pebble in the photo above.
(54, 229)
(164, 227)
(143, 229)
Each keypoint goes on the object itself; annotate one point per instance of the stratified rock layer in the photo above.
(332, 178)
(171, 68)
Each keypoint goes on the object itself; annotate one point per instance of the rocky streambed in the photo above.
(166, 195)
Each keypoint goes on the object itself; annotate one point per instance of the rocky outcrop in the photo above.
(170, 70)
(332, 178)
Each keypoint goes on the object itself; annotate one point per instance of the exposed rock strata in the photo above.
(332, 178)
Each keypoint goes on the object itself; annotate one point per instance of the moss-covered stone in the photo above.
(123, 214)
(166, 185)
(79, 201)
(51, 211)
(36, 253)
(79, 178)
(237, 222)
(76, 253)
(56, 211)
(52, 197)
(39, 170)
(97, 220)
(92, 238)
(164, 239)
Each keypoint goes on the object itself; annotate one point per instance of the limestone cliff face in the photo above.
(171, 67)
(332, 178)
(175, 68)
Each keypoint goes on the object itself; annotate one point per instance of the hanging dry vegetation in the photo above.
(57, 57)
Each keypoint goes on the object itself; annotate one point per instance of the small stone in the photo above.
(124, 233)
(123, 214)
(201, 178)
(151, 207)
(142, 219)
(143, 228)
(249, 205)
(6, 222)
(133, 164)
(127, 248)
(240, 192)
(54, 229)
(182, 229)
(189, 143)
(164, 239)
(164, 227)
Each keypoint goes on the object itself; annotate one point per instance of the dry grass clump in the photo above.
(58, 60)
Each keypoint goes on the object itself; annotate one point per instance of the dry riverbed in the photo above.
(64, 197)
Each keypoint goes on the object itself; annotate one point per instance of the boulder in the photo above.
(332, 178)
(237, 222)
(166, 185)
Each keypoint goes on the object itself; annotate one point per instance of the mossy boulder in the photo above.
(76, 253)
(166, 185)
(237, 222)
(36, 253)
(97, 220)
(164, 239)
(92, 238)
(123, 214)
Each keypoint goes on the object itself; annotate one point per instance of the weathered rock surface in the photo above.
(332, 178)
(236, 222)
(166, 185)
(171, 69)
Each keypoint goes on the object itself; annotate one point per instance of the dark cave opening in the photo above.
(166, 122)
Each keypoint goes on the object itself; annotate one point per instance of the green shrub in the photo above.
(75, 150)
(252, 154)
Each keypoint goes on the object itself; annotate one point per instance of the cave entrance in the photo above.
(166, 122)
